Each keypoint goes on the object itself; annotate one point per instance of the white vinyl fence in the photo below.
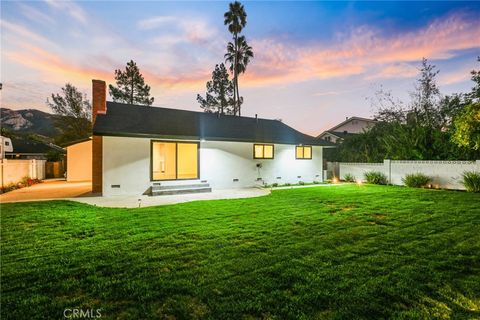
(13, 170)
(444, 174)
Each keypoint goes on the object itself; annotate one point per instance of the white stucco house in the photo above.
(150, 150)
(351, 126)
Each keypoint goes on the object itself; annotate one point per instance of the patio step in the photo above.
(159, 190)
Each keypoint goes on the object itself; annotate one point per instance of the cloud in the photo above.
(363, 52)
(176, 30)
(35, 15)
(69, 7)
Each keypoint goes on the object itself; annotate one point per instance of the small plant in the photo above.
(375, 177)
(274, 185)
(349, 177)
(301, 183)
(471, 181)
(287, 184)
(316, 182)
(416, 180)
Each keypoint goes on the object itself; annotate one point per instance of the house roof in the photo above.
(71, 143)
(143, 121)
(348, 120)
(24, 145)
(338, 134)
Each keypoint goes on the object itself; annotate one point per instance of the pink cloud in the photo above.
(363, 51)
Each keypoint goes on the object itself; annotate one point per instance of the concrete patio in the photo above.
(147, 201)
(81, 192)
(48, 190)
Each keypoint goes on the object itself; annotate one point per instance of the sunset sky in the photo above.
(315, 62)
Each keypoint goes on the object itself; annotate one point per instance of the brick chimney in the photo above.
(99, 98)
(99, 106)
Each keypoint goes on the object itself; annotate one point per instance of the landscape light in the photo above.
(359, 182)
(335, 180)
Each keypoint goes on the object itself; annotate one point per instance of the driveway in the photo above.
(48, 189)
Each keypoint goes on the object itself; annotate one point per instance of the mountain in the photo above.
(29, 121)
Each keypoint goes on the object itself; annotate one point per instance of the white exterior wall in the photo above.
(13, 170)
(355, 126)
(444, 174)
(358, 169)
(126, 162)
(79, 161)
(333, 138)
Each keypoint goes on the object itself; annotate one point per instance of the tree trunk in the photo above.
(238, 102)
(235, 98)
(131, 94)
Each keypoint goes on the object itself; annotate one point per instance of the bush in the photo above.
(301, 183)
(287, 184)
(349, 177)
(274, 185)
(375, 177)
(416, 180)
(471, 181)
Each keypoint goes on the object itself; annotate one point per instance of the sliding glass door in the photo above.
(174, 160)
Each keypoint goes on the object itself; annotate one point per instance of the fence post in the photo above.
(387, 167)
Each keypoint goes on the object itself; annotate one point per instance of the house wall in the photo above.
(79, 161)
(333, 138)
(444, 174)
(126, 163)
(354, 126)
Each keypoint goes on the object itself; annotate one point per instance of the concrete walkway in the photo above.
(147, 201)
(47, 190)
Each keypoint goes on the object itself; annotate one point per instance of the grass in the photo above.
(341, 252)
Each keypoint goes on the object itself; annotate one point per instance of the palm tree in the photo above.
(239, 57)
(236, 19)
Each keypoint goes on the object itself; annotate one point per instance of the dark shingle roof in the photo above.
(24, 145)
(142, 121)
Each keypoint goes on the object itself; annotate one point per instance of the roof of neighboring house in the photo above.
(71, 143)
(143, 121)
(24, 145)
(351, 119)
(338, 134)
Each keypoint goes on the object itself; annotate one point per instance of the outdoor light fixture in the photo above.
(335, 180)
(359, 182)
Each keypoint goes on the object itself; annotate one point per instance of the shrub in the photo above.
(375, 177)
(349, 177)
(316, 182)
(471, 181)
(301, 183)
(416, 180)
(287, 184)
(274, 185)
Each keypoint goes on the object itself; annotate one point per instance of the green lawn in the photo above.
(340, 252)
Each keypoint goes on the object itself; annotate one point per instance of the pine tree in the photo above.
(220, 90)
(131, 87)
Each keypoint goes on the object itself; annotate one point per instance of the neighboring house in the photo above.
(149, 150)
(79, 160)
(26, 148)
(351, 126)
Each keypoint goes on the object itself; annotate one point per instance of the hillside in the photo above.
(29, 121)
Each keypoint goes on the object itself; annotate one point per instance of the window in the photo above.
(328, 138)
(174, 160)
(263, 151)
(303, 152)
